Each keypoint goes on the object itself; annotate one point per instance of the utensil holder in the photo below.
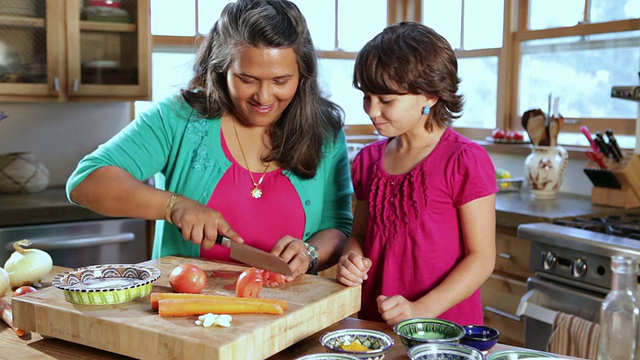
(618, 185)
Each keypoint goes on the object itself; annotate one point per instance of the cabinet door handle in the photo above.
(83, 242)
(502, 313)
(505, 256)
(56, 84)
(76, 83)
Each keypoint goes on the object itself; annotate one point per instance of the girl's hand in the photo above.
(294, 253)
(199, 223)
(394, 309)
(352, 268)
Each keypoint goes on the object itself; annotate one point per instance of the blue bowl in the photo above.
(480, 337)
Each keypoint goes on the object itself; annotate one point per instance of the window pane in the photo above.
(336, 76)
(208, 12)
(609, 10)
(321, 19)
(169, 18)
(445, 17)
(581, 74)
(170, 73)
(545, 14)
(480, 88)
(483, 24)
(355, 26)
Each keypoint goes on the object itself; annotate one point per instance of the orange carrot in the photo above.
(157, 296)
(190, 307)
(7, 316)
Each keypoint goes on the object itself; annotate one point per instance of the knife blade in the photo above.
(255, 257)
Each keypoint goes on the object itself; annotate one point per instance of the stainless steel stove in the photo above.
(571, 261)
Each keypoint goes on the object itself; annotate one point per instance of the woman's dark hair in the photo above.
(309, 121)
(411, 58)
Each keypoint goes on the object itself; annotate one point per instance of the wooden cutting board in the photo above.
(133, 329)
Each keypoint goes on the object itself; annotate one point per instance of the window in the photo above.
(572, 51)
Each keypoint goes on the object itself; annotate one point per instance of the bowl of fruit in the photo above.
(507, 137)
(506, 182)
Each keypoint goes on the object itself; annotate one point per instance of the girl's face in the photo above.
(262, 82)
(394, 115)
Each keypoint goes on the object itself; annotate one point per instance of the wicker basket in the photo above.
(21, 172)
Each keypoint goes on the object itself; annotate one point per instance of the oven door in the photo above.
(544, 299)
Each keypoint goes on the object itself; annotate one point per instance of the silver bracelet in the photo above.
(312, 252)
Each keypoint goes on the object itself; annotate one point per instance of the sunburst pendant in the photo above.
(256, 193)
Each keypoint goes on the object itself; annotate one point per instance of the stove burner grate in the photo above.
(627, 225)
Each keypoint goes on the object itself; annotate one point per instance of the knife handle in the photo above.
(223, 240)
(602, 144)
(614, 145)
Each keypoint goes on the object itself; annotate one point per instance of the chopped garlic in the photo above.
(210, 319)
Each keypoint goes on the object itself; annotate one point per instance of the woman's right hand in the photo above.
(352, 268)
(199, 223)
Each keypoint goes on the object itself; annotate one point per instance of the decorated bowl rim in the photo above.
(398, 326)
(534, 353)
(442, 346)
(379, 334)
(151, 274)
(481, 338)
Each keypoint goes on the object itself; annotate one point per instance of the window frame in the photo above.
(515, 31)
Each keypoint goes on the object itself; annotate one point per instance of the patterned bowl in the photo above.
(442, 351)
(106, 284)
(327, 356)
(519, 354)
(377, 342)
(480, 337)
(417, 331)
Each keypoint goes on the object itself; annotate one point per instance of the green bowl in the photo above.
(106, 284)
(448, 351)
(418, 331)
(519, 354)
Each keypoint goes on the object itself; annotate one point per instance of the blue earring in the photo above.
(426, 110)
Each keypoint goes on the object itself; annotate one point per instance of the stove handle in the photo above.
(502, 313)
(528, 309)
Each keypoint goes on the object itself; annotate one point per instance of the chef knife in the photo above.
(602, 144)
(614, 145)
(255, 257)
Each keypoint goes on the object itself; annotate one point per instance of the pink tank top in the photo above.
(261, 222)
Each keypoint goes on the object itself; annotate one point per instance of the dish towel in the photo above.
(574, 336)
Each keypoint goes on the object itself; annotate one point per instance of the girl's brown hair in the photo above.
(411, 58)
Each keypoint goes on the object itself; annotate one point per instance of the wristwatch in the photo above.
(312, 252)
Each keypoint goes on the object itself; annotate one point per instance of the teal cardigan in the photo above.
(183, 151)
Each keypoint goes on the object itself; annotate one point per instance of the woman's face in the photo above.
(262, 82)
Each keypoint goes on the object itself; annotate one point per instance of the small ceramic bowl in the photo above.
(327, 356)
(480, 337)
(106, 284)
(448, 351)
(519, 354)
(418, 331)
(377, 342)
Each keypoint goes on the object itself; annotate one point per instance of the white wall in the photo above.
(60, 134)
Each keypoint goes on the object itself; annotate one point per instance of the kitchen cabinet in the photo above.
(62, 50)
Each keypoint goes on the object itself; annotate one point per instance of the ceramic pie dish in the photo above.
(106, 284)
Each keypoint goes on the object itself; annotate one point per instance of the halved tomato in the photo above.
(249, 283)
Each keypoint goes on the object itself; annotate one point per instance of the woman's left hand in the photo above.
(294, 253)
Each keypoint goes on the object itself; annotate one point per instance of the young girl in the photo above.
(423, 238)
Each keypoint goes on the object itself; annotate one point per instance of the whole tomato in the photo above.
(24, 290)
(188, 278)
(498, 134)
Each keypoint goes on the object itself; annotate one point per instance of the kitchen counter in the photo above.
(48, 206)
(48, 348)
(515, 208)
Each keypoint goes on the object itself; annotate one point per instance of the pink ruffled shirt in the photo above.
(413, 236)
(277, 213)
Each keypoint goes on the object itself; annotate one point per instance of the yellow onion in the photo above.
(4, 282)
(27, 266)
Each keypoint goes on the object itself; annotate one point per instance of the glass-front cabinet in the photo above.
(74, 50)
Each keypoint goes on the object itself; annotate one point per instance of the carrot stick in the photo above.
(7, 316)
(190, 307)
(157, 296)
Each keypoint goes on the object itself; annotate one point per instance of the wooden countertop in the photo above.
(48, 348)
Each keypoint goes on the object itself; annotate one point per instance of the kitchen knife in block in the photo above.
(255, 257)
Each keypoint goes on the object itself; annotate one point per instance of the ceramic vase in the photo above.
(21, 172)
(544, 170)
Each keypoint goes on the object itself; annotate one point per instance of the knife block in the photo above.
(618, 185)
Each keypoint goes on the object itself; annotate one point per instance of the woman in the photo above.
(250, 149)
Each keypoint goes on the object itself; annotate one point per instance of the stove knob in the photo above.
(549, 260)
(578, 268)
